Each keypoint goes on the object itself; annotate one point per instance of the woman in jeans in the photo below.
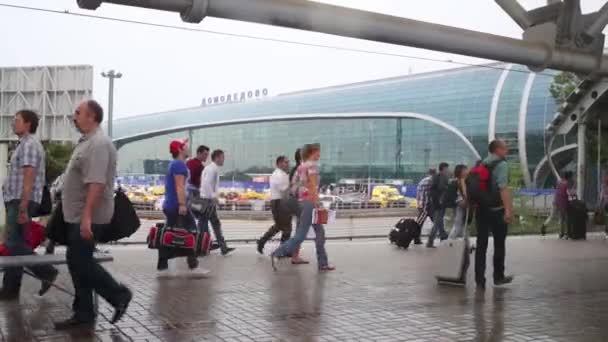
(305, 186)
(460, 172)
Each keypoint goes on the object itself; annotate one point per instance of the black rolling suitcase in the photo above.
(577, 220)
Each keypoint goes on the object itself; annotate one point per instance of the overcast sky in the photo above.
(166, 69)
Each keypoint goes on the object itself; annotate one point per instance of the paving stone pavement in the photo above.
(378, 293)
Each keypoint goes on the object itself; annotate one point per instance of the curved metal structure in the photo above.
(325, 116)
(544, 168)
(521, 130)
(496, 101)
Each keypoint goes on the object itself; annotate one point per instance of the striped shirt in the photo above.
(423, 192)
(29, 152)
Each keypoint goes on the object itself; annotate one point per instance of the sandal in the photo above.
(299, 261)
(273, 262)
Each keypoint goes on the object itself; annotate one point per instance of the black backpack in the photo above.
(450, 195)
(435, 192)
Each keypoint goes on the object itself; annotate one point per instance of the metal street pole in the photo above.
(111, 75)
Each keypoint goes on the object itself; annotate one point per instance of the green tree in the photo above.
(516, 176)
(563, 85)
(57, 158)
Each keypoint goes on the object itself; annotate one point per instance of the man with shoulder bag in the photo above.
(88, 207)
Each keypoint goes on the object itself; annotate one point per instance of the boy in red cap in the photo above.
(175, 204)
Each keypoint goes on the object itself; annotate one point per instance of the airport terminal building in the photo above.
(392, 128)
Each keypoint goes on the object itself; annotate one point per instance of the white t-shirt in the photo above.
(279, 184)
(210, 181)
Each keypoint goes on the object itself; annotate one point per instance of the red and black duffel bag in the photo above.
(180, 239)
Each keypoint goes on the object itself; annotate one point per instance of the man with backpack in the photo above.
(439, 187)
(487, 186)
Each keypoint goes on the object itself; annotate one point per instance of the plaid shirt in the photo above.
(29, 152)
(423, 192)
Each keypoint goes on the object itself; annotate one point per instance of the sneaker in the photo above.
(504, 280)
(417, 242)
(201, 271)
(228, 250)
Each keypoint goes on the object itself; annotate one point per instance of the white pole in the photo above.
(599, 158)
(580, 172)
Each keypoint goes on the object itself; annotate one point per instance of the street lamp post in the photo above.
(111, 75)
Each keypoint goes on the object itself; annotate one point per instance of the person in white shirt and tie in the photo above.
(279, 186)
(210, 181)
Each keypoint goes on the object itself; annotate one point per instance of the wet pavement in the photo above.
(378, 293)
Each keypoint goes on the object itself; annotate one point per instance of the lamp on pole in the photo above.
(111, 75)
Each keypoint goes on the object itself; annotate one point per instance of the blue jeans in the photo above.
(288, 247)
(88, 276)
(17, 246)
(438, 226)
(458, 229)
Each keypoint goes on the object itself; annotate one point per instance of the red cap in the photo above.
(177, 145)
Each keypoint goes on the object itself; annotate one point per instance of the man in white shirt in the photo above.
(210, 181)
(279, 186)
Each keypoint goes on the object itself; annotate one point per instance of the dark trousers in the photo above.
(173, 219)
(282, 223)
(490, 221)
(17, 246)
(423, 214)
(209, 215)
(88, 276)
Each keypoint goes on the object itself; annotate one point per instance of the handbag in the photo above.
(124, 223)
(46, 204)
(201, 206)
(56, 227)
(322, 216)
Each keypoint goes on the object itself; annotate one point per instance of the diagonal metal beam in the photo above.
(324, 18)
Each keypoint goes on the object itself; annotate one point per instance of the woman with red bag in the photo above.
(306, 188)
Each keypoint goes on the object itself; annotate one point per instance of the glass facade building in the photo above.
(385, 129)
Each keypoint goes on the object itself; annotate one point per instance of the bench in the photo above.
(48, 259)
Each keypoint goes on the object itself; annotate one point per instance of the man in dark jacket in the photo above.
(439, 187)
